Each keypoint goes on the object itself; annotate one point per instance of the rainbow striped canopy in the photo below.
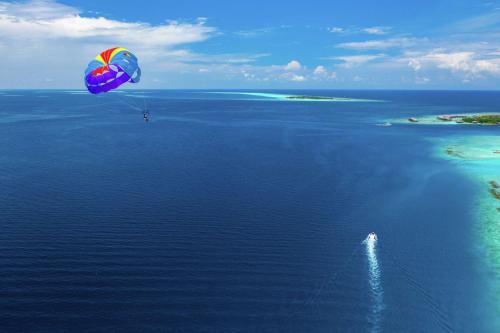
(110, 69)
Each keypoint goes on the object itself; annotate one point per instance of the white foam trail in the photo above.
(374, 280)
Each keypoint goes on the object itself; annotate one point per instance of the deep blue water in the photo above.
(227, 213)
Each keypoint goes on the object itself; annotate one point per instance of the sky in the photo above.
(356, 44)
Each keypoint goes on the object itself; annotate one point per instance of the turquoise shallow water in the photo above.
(479, 159)
(293, 97)
(231, 212)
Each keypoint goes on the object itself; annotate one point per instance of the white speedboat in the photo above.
(372, 237)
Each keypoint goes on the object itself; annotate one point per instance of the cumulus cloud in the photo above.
(293, 65)
(465, 62)
(320, 73)
(415, 64)
(460, 65)
(320, 70)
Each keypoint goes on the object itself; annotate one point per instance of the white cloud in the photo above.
(467, 52)
(293, 65)
(46, 20)
(298, 78)
(377, 30)
(320, 73)
(248, 75)
(278, 74)
(37, 9)
(457, 61)
(356, 60)
(465, 62)
(415, 64)
(320, 70)
(336, 30)
(288, 76)
(380, 44)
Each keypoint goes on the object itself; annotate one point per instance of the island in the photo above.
(482, 119)
(324, 98)
(462, 119)
(488, 119)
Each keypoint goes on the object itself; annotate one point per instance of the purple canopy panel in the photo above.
(106, 81)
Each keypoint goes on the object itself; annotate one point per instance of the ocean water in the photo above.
(241, 213)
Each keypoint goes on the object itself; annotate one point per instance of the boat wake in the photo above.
(374, 280)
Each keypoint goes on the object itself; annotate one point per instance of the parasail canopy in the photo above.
(110, 69)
